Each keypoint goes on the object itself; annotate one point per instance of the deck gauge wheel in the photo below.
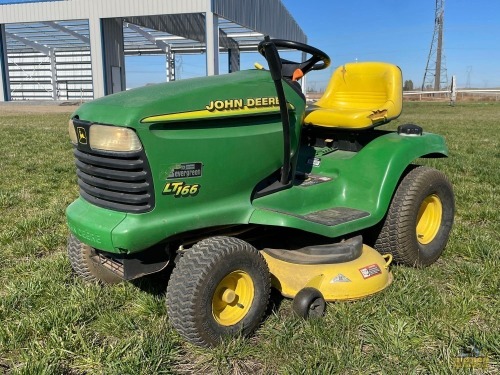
(309, 303)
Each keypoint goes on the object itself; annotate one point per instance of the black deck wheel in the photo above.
(219, 288)
(419, 220)
(79, 255)
(309, 303)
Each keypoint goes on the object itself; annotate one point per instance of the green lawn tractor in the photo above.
(239, 186)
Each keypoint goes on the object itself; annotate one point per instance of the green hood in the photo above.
(128, 108)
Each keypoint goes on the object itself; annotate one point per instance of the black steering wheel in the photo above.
(318, 61)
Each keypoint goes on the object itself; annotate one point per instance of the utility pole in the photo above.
(469, 71)
(435, 72)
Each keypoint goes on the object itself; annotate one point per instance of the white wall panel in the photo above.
(31, 76)
(79, 9)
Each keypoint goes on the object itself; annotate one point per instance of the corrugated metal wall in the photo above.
(31, 77)
(74, 75)
(267, 16)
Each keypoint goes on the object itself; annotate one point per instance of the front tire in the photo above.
(80, 258)
(219, 288)
(419, 220)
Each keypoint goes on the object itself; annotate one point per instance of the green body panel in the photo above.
(236, 152)
(237, 149)
(364, 180)
(91, 224)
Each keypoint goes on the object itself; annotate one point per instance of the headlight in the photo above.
(72, 132)
(112, 138)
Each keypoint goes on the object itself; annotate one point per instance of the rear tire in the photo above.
(419, 219)
(79, 255)
(219, 288)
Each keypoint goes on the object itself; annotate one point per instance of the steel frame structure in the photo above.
(93, 28)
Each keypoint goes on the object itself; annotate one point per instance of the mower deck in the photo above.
(346, 270)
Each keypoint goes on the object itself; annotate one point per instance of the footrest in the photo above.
(334, 216)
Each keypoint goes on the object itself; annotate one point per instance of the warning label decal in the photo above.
(340, 279)
(369, 271)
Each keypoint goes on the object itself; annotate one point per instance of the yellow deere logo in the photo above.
(82, 136)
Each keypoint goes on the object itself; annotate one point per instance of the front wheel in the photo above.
(80, 257)
(419, 220)
(219, 288)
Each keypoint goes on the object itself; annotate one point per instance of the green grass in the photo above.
(53, 323)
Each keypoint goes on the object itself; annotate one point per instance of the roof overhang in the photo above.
(63, 25)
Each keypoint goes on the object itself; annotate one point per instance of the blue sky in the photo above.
(400, 31)
(397, 31)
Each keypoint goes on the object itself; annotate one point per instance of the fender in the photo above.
(383, 162)
(363, 181)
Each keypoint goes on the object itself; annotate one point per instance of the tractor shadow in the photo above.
(274, 304)
(156, 283)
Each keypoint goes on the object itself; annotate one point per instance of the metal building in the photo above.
(68, 49)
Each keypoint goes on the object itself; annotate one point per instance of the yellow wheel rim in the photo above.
(429, 219)
(232, 298)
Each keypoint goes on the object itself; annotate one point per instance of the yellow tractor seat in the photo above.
(359, 96)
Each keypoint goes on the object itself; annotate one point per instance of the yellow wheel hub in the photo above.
(429, 219)
(232, 298)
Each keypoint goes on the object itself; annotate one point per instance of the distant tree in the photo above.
(408, 86)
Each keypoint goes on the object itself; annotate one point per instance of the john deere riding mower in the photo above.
(239, 185)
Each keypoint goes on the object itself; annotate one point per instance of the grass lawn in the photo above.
(53, 323)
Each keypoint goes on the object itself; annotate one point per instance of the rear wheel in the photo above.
(80, 258)
(419, 220)
(219, 288)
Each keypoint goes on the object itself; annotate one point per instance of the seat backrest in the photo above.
(365, 85)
